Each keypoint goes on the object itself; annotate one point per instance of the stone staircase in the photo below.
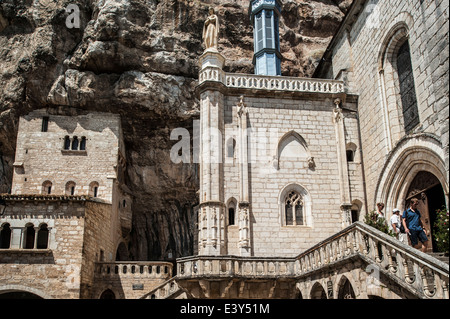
(367, 254)
(167, 290)
(440, 256)
(417, 274)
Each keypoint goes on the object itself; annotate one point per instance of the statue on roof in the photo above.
(211, 31)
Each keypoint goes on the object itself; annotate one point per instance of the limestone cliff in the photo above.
(138, 58)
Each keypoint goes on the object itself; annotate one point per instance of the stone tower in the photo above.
(265, 20)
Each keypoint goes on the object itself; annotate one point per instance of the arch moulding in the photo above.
(421, 152)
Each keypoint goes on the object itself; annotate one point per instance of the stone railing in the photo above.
(164, 291)
(139, 269)
(423, 275)
(233, 266)
(274, 83)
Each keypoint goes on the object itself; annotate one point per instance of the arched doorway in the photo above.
(19, 295)
(108, 294)
(345, 289)
(428, 190)
(317, 292)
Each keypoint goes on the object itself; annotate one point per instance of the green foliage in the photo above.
(372, 219)
(440, 231)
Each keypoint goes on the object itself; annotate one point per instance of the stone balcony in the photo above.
(270, 83)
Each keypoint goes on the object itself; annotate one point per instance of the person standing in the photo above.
(395, 226)
(414, 226)
(380, 214)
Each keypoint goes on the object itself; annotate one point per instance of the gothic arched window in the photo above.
(231, 212)
(293, 209)
(407, 89)
(295, 206)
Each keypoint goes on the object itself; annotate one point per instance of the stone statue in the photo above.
(211, 31)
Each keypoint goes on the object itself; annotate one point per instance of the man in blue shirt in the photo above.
(414, 227)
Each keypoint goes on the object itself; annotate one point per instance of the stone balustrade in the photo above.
(233, 266)
(152, 269)
(423, 275)
(164, 291)
(275, 83)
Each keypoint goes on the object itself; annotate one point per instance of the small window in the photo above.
(70, 188)
(75, 143)
(83, 144)
(5, 236)
(44, 124)
(350, 152)
(93, 189)
(350, 156)
(46, 188)
(231, 207)
(42, 239)
(231, 145)
(66, 143)
(231, 216)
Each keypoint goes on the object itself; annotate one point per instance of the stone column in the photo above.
(244, 204)
(36, 232)
(16, 237)
(344, 184)
(211, 207)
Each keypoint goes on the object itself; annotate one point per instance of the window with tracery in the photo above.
(293, 209)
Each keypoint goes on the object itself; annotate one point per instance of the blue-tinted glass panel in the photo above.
(271, 64)
(269, 29)
(259, 32)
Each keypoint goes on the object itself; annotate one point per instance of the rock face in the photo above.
(138, 58)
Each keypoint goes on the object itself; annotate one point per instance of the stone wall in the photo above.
(100, 242)
(41, 156)
(81, 233)
(272, 118)
(53, 272)
(363, 50)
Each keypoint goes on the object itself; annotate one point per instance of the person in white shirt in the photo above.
(394, 225)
